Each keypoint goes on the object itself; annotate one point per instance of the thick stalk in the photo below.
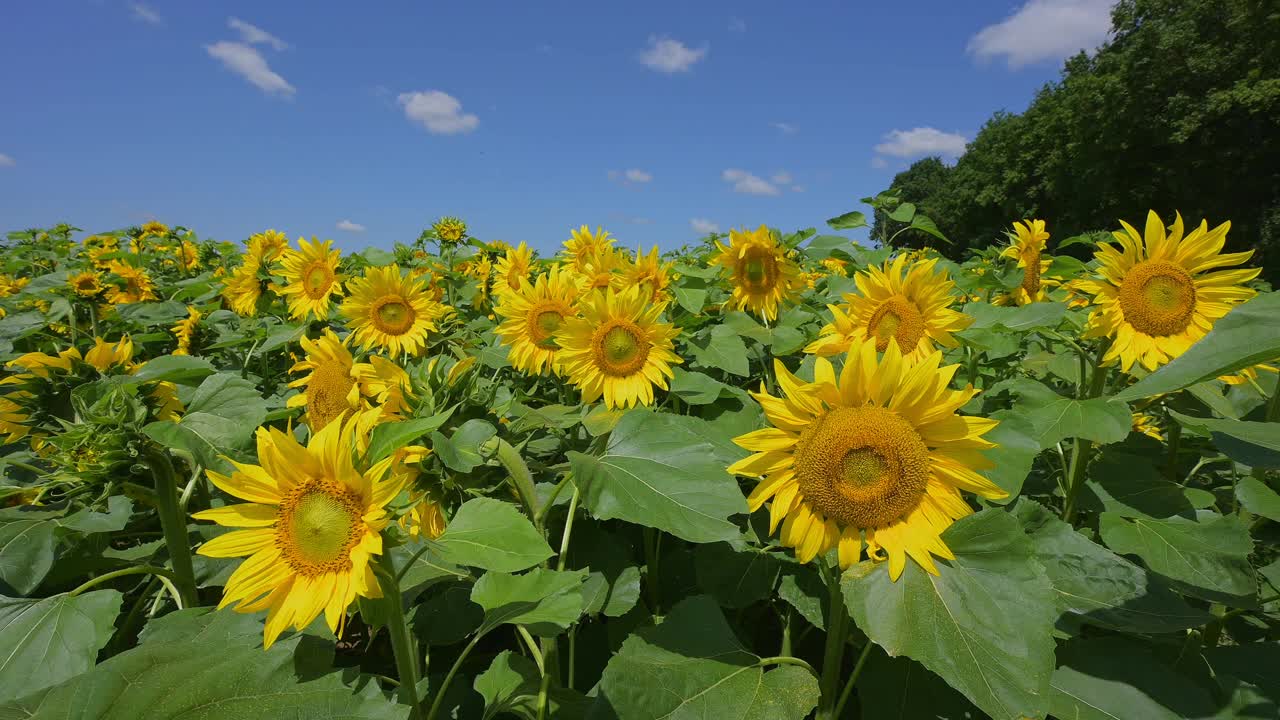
(837, 630)
(1082, 447)
(401, 641)
(173, 522)
(521, 478)
(161, 574)
(651, 548)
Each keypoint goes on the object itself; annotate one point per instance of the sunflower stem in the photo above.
(1082, 447)
(401, 641)
(837, 631)
(448, 678)
(853, 678)
(173, 522)
(521, 479)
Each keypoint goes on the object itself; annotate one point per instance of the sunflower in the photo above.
(86, 284)
(762, 275)
(1156, 296)
(137, 284)
(449, 229)
(512, 268)
(911, 305)
(531, 318)
(1027, 244)
(385, 386)
(243, 288)
(647, 271)
(389, 311)
(330, 391)
(1247, 375)
(13, 418)
(599, 271)
(617, 348)
(425, 518)
(312, 275)
(185, 331)
(583, 246)
(878, 455)
(267, 246)
(311, 527)
(188, 255)
(834, 266)
(1146, 424)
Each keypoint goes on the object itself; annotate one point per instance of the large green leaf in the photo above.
(389, 437)
(211, 665)
(27, 545)
(511, 685)
(723, 350)
(1054, 418)
(1257, 498)
(461, 450)
(1098, 586)
(696, 388)
(49, 640)
(493, 535)
(851, 220)
(900, 689)
(547, 601)
(1248, 673)
(736, 576)
(984, 623)
(1207, 557)
(1017, 445)
(186, 369)
(1256, 444)
(691, 667)
(1246, 336)
(1135, 486)
(1026, 317)
(230, 396)
(1112, 678)
(664, 471)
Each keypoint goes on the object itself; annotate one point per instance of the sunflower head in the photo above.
(153, 229)
(449, 230)
(243, 288)
(310, 528)
(646, 271)
(762, 275)
(533, 315)
(132, 285)
(330, 390)
(188, 255)
(86, 284)
(311, 275)
(1027, 245)
(617, 348)
(512, 267)
(185, 331)
(583, 246)
(909, 304)
(876, 455)
(1158, 292)
(391, 311)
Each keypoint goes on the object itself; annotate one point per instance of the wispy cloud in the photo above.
(737, 24)
(921, 141)
(146, 14)
(748, 184)
(7, 161)
(879, 163)
(784, 128)
(630, 176)
(782, 177)
(670, 56)
(703, 226)
(254, 35)
(439, 112)
(1044, 30)
(249, 64)
(348, 226)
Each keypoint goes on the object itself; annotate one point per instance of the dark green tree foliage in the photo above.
(1180, 110)
(924, 179)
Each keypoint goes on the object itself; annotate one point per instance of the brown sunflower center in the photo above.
(393, 315)
(543, 323)
(1158, 297)
(758, 271)
(619, 348)
(897, 318)
(327, 392)
(317, 279)
(317, 526)
(862, 467)
(1031, 276)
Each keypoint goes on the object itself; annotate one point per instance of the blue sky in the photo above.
(655, 119)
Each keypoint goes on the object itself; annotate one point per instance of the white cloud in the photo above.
(146, 14)
(748, 184)
(348, 226)
(703, 226)
(737, 24)
(636, 175)
(248, 63)
(440, 113)
(921, 141)
(782, 177)
(254, 35)
(879, 163)
(1044, 30)
(6, 161)
(670, 56)
(785, 128)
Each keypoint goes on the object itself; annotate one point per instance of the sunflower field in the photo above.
(772, 476)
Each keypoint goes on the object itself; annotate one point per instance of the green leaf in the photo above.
(691, 299)
(1207, 557)
(849, 221)
(691, 667)
(1026, 317)
(904, 213)
(902, 689)
(446, 615)
(545, 601)
(803, 590)
(984, 623)
(737, 578)
(925, 224)
(1246, 336)
(1016, 449)
(1110, 678)
(1134, 486)
(198, 439)
(211, 665)
(461, 450)
(493, 535)
(1054, 418)
(1099, 586)
(48, 640)
(229, 396)
(664, 471)
(510, 685)
(1248, 673)
(1256, 444)
(181, 369)
(87, 521)
(724, 350)
(389, 437)
(696, 388)
(26, 548)
(1257, 498)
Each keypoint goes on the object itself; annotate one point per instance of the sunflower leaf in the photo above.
(1054, 418)
(545, 601)
(493, 535)
(984, 623)
(1207, 557)
(1113, 677)
(52, 639)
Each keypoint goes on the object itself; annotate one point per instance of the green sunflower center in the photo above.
(1158, 297)
(327, 391)
(863, 467)
(897, 318)
(545, 324)
(620, 349)
(392, 315)
(317, 526)
(759, 270)
(317, 280)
